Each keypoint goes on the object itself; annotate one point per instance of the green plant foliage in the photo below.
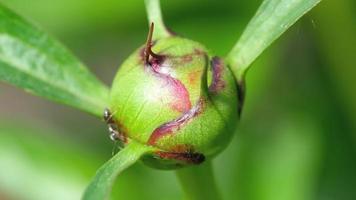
(272, 19)
(30, 169)
(32, 60)
(100, 187)
(127, 91)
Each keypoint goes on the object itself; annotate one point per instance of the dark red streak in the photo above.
(175, 125)
(188, 157)
(217, 83)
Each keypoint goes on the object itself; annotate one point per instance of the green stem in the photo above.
(198, 182)
(100, 186)
(154, 15)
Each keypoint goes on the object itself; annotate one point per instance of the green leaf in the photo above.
(39, 164)
(100, 187)
(155, 16)
(32, 60)
(272, 19)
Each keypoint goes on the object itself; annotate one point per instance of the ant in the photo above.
(115, 134)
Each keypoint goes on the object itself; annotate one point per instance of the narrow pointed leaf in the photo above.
(32, 60)
(100, 187)
(272, 19)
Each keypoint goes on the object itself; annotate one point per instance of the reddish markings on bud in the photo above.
(180, 60)
(187, 58)
(181, 101)
(217, 83)
(189, 158)
(175, 125)
(148, 49)
(180, 96)
(194, 76)
(183, 153)
(199, 52)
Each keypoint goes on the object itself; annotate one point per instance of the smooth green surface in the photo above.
(100, 187)
(32, 60)
(198, 182)
(154, 15)
(142, 100)
(271, 19)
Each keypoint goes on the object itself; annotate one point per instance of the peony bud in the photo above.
(171, 94)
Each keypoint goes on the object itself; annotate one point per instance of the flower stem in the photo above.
(154, 15)
(198, 182)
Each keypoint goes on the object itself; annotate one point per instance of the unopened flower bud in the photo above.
(171, 94)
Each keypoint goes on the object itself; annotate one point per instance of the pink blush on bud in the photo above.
(178, 93)
(180, 101)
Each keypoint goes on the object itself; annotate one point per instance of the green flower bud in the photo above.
(171, 94)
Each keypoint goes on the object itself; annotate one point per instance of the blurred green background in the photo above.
(296, 139)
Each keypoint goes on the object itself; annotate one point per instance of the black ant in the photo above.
(115, 134)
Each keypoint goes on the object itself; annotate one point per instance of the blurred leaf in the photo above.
(272, 19)
(338, 47)
(280, 161)
(32, 60)
(34, 166)
(41, 164)
(100, 187)
(336, 41)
